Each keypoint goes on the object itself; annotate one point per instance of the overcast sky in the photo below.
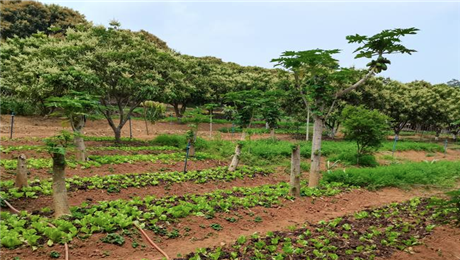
(252, 33)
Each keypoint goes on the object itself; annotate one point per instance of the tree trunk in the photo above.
(117, 132)
(438, 132)
(235, 159)
(81, 148)
(77, 127)
(61, 204)
(307, 134)
(272, 133)
(183, 108)
(316, 152)
(145, 119)
(295, 172)
(21, 175)
(177, 111)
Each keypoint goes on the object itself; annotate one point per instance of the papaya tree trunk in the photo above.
(21, 175)
(295, 172)
(61, 204)
(81, 148)
(77, 126)
(235, 159)
(272, 133)
(316, 151)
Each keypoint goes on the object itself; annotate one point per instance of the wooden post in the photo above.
(21, 175)
(294, 189)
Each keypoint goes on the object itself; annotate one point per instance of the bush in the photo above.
(365, 127)
(179, 141)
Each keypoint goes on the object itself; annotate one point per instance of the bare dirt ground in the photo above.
(45, 127)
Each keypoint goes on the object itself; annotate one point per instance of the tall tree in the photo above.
(24, 18)
(320, 81)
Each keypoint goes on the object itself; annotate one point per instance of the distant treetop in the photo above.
(24, 18)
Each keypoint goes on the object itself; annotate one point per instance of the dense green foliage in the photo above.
(365, 127)
(24, 18)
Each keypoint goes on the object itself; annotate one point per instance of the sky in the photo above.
(254, 32)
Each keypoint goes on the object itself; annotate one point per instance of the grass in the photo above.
(442, 173)
(268, 152)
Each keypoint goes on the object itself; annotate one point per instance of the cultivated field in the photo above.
(206, 213)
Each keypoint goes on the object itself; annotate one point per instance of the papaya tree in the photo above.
(76, 107)
(57, 149)
(270, 110)
(321, 82)
(245, 105)
(153, 111)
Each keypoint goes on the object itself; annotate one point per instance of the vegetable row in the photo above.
(365, 235)
(151, 212)
(116, 182)
(97, 160)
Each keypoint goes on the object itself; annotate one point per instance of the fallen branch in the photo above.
(151, 242)
(9, 206)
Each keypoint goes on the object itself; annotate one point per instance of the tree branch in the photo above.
(357, 84)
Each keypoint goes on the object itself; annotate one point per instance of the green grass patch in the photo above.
(443, 173)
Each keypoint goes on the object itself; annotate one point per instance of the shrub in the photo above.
(365, 127)
(179, 141)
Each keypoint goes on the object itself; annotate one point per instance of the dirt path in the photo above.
(200, 234)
